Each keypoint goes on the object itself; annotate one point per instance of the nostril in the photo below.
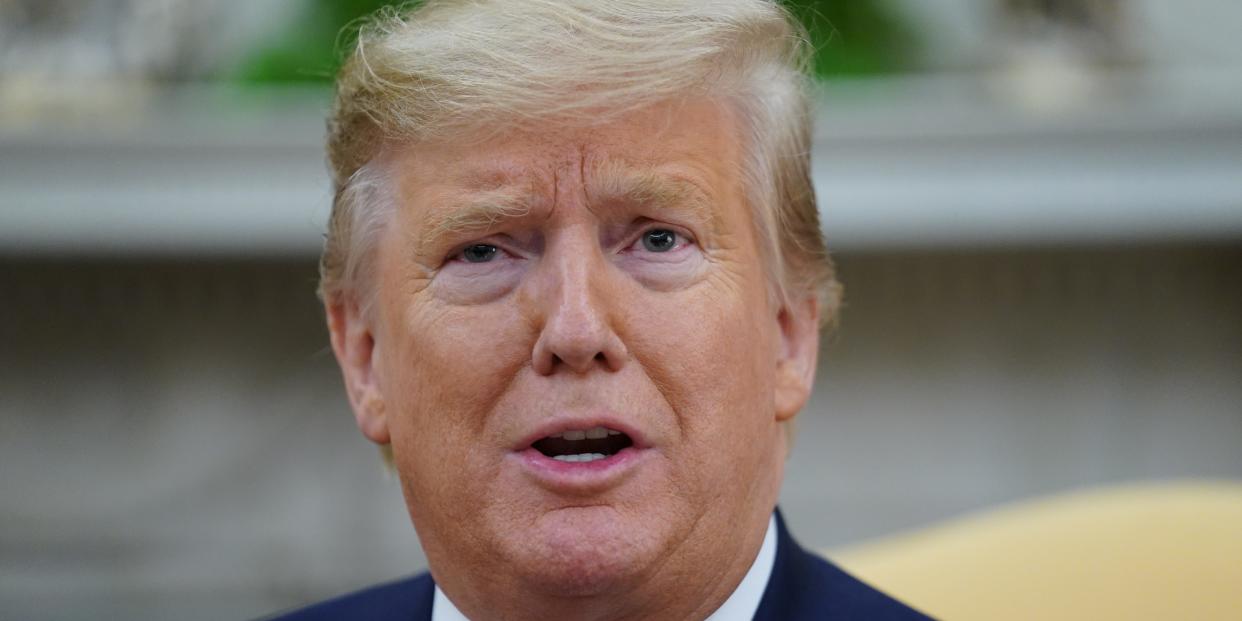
(578, 365)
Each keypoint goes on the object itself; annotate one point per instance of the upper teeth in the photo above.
(594, 433)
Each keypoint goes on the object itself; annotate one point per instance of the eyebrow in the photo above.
(615, 182)
(477, 211)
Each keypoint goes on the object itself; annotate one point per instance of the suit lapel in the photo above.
(805, 587)
(786, 586)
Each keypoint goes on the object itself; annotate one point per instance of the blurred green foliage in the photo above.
(856, 37)
(308, 49)
(851, 37)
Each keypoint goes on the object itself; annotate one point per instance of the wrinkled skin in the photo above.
(572, 315)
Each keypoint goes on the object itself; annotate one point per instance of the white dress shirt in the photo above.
(741, 605)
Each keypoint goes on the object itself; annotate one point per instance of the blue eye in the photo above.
(479, 253)
(659, 240)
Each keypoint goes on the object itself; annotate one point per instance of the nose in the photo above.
(577, 334)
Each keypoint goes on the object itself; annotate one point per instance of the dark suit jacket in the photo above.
(803, 587)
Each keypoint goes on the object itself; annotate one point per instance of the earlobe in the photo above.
(353, 342)
(798, 324)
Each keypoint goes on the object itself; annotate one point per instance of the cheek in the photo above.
(711, 358)
(456, 360)
(709, 350)
(446, 367)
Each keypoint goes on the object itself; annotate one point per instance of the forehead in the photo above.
(674, 149)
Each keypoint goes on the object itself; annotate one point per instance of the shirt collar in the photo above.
(740, 606)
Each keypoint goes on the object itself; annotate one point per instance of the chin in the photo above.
(586, 551)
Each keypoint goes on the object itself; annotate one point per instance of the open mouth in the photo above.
(583, 445)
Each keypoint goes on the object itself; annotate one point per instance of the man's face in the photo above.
(573, 352)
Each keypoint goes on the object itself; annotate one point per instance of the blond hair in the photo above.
(447, 68)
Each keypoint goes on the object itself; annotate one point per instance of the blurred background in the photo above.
(1036, 206)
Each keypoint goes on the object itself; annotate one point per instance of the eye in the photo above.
(659, 240)
(479, 253)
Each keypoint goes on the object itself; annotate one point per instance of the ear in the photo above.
(353, 342)
(797, 354)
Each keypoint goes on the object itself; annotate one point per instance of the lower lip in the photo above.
(579, 474)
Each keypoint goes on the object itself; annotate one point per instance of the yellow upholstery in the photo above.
(1154, 551)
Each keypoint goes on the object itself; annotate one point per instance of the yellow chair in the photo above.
(1152, 551)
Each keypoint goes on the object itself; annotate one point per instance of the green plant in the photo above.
(856, 37)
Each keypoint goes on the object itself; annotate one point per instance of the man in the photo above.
(574, 279)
